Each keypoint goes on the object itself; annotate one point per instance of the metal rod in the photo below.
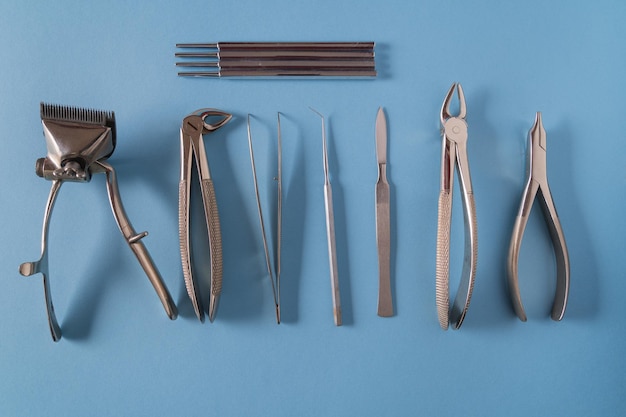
(279, 45)
(278, 59)
(279, 214)
(283, 73)
(330, 229)
(278, 54)
(308, 64)
(260, 211)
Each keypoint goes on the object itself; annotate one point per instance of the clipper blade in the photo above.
(75, 138)
(78, 115)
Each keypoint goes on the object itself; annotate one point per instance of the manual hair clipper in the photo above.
(79, 141)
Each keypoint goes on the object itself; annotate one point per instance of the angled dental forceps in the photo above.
(192, 149)
(454, 154)
(279, 181)
(79, 142)
(537, 185)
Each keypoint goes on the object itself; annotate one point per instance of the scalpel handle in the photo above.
(383, 243)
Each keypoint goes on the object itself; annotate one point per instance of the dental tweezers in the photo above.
(454, 154)
(537, 187)
(192, 149)
(279, 180)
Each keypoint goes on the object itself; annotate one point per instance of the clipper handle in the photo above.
(134, 241)
(41, 266)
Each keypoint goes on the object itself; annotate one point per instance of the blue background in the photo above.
(120, 355)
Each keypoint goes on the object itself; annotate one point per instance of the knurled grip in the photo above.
(183, 237)
(443, 258)
(215, 235)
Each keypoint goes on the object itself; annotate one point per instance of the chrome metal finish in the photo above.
(279, 210)
(454, 155)
(537, 186)
(269, 55)
(298, 46)
(192, 149)
(300, 64)
(41, 266)
(279, 59)
(75, 139)
(133, 239)
(275, 282)
(283, 72)
(383, 216)
(330, 229)
(79, 141)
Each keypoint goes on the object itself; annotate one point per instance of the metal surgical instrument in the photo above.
(192, 149)
(79, 141)
(330, 228)
(383, 227)
(454, 154)
(278, 59)
(537, 186)
(279, 180)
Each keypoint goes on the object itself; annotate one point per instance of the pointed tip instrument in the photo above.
(330, 228)
(274, 273)
(537, 188)
(383, 227)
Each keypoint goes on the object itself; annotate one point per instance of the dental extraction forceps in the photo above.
(454, 154)
(279, 217)
(537, 185)
(192, 148)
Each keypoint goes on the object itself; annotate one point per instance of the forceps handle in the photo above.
(457, 313)
(470, 260)
(185, 251)
(560, 250)
(442, 284)
(215, 241)
(561, 255)
(134, 241)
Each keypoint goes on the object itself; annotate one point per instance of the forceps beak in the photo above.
(538, 133)
(222, 119)
(445, 108)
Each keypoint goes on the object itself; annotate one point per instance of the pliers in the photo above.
(454, 154)
(537, 184)
(192, 145)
